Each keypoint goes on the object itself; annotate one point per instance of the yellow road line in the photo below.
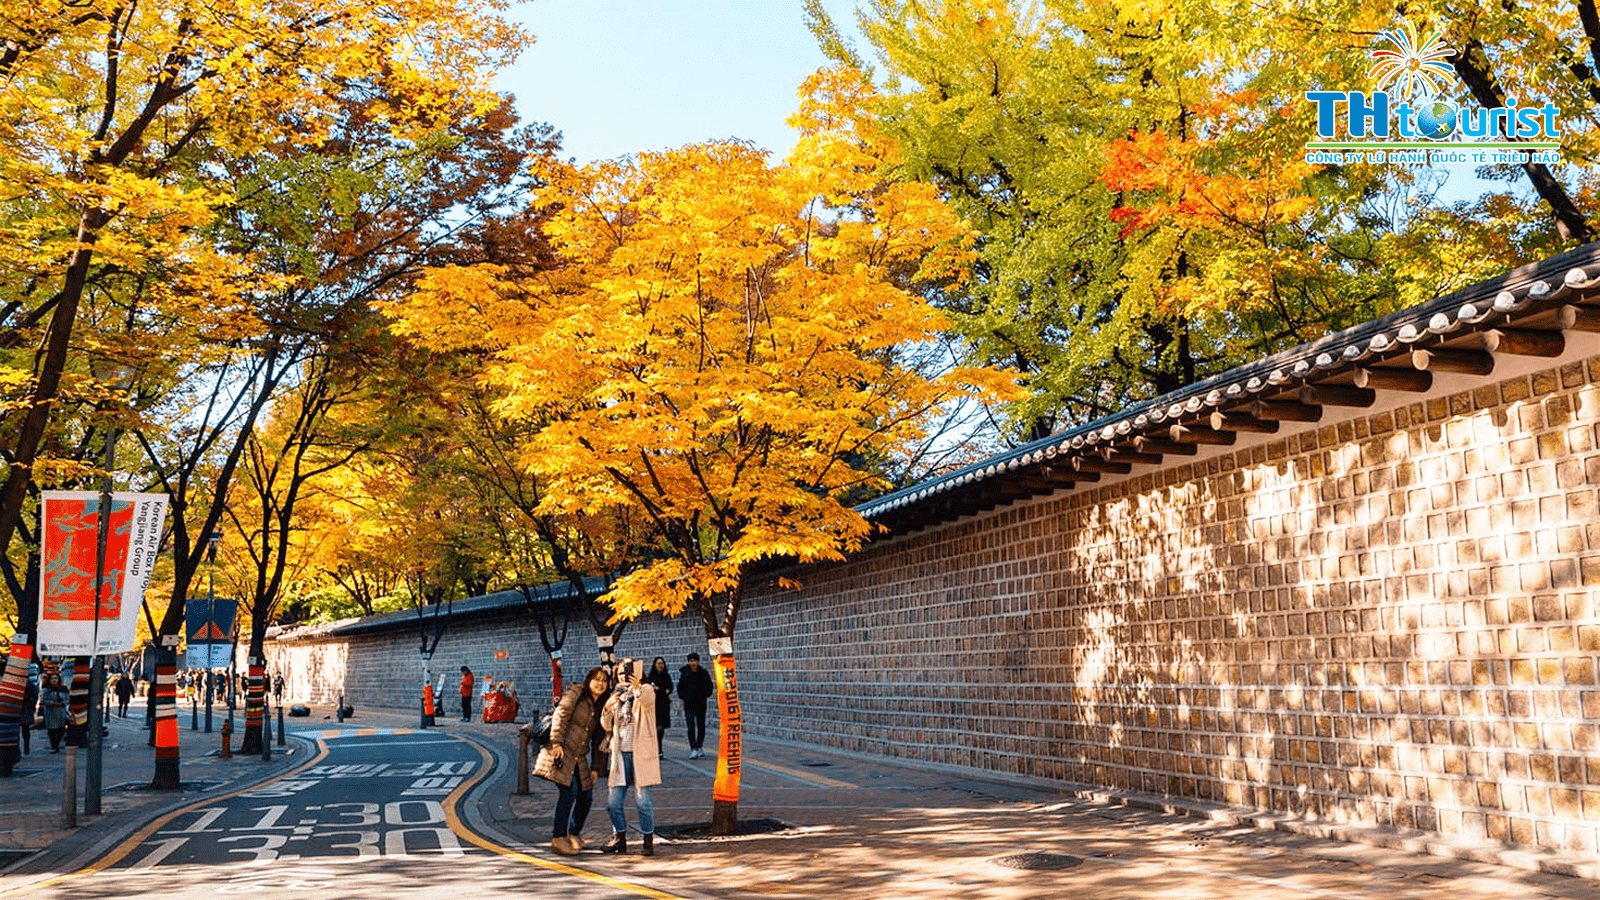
(127, 846)
(478, 840)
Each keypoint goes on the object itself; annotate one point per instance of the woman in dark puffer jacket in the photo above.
(565, 760)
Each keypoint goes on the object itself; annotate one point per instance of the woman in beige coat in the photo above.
(565, 759)
(629, 719)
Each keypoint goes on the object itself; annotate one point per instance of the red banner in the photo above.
(77, 615)
(726, 786)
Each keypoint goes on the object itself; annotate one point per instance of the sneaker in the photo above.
(563, 845)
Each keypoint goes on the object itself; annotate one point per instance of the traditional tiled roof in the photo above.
(493, 604)
(1526, 312)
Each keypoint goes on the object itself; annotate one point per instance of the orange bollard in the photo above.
(227, 739)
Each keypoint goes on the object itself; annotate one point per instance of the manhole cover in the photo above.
(1038, 861)
(815, 765)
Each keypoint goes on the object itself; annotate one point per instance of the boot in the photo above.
(617, 844)
(650, 844)
(563, 845)
(578, 843)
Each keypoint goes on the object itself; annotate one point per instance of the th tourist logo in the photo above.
(1407, 120)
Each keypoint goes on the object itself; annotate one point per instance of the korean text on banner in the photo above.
(72, 618)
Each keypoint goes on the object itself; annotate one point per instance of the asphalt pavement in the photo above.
(819, 823)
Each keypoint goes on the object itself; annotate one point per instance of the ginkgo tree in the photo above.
(1139, 175)
(721, 342)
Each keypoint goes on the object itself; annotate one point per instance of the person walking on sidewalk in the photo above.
(30, 706)
(565, 759)
(660, 679)
(53, 704)
(694, 689)
(466, 694)
(124, 694)
(629, 718)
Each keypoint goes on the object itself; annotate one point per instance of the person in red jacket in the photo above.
(466, 694)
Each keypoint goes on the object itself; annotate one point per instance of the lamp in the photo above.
(115, 377)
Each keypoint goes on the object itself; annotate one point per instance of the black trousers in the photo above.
(466, 707)
(572, 807)
(695, 718)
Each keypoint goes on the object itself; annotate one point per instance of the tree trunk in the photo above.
(13, 685)
(54, 362)
(164, 692)
(730, 756)
(255, 703)
(724, 817)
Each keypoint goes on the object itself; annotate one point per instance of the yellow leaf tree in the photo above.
(117, 121)
(721, 348)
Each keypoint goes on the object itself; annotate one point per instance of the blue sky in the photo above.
(618, 76)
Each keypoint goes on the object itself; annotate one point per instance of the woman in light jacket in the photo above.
(629, 719)
(565, 759)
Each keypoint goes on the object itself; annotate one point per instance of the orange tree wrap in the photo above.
(255, 695)
(12, 686)
(78, 693)
(726, 787)
(165, 690)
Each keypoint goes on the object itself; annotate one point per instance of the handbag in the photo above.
(541, 731)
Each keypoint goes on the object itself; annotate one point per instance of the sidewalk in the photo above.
(864, 828)
(848, 827)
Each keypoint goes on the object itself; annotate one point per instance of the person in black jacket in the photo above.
(661, 680)
(694, 689)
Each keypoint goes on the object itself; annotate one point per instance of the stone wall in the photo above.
(1385, 620)
(384, 669)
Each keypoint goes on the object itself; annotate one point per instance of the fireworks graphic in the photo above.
(1411, 64)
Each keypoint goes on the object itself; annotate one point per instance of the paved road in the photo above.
(377, 812)
(855, 827)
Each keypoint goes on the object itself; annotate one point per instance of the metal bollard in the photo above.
(227, 739)
(280, 724)
(524, 739)
(69, 789)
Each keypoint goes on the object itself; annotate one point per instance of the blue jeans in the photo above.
(641, 799)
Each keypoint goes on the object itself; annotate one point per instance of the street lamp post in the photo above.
(97, 665)
(211, 576)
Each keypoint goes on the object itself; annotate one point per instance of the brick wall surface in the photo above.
(1386, 620)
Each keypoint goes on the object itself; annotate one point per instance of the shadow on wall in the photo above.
(1389, 627)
